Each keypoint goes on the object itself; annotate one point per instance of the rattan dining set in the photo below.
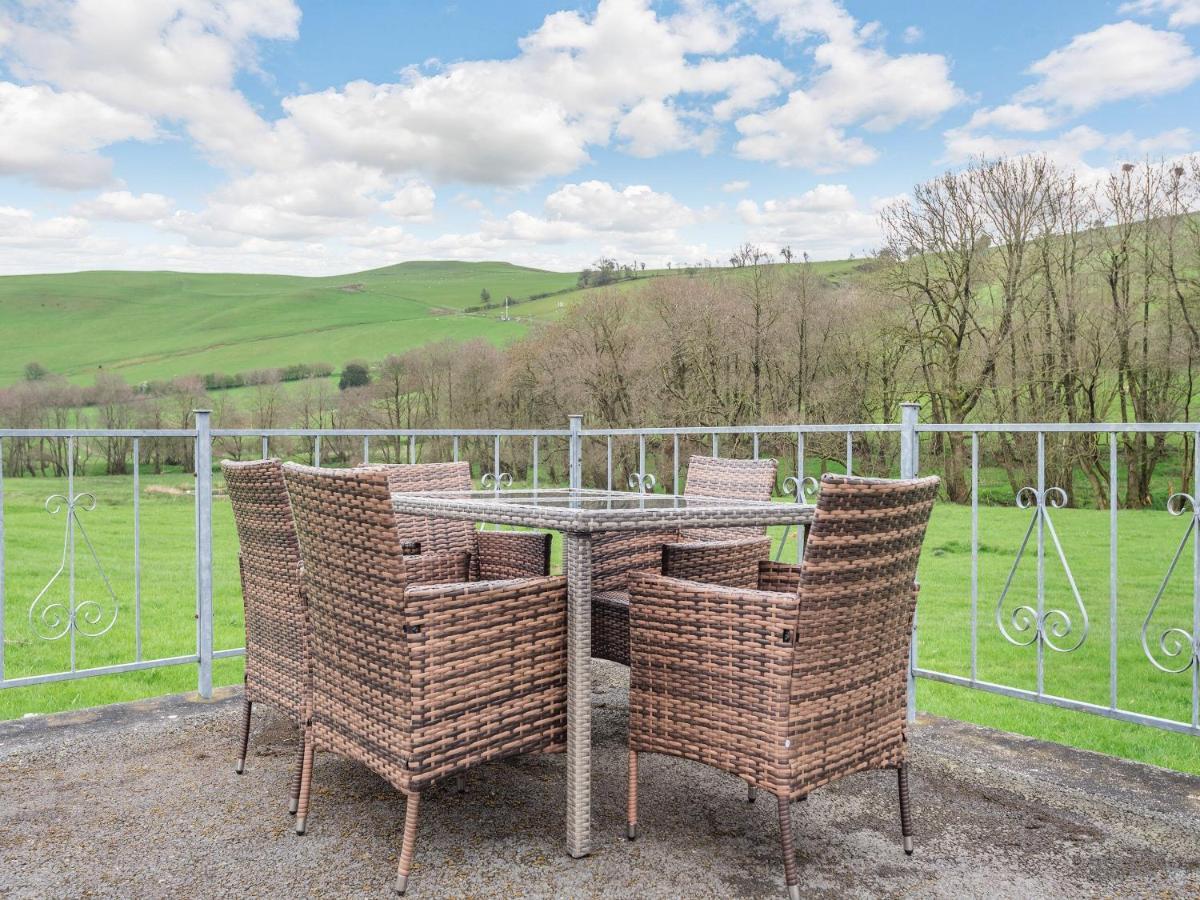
(397, 634)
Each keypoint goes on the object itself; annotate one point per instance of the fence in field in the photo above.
(1022, 626)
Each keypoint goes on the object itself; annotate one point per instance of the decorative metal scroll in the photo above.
(52, 621)
(1053, 628)
(643, 482)
(501, 481)
(805, 490)
(1176, 643)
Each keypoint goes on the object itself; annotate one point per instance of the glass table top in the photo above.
(584, 499)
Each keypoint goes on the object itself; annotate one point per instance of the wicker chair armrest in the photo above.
(683, 611)
(710, 672)
(777, 576)
(513, 554)
(438, 568)
(733, 563)
(488, 664)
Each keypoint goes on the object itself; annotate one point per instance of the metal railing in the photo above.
(646, 459)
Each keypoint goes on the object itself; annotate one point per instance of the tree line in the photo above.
(1013, 290)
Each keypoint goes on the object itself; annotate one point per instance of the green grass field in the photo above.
(1147, 540)
(157, 325)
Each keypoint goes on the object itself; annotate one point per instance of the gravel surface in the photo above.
(140, 800)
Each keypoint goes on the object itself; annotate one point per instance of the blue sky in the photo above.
(321, 137)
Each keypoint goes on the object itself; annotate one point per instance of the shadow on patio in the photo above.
(141, 801)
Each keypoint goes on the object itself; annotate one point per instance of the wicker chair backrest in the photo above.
(354, 580)
(854, 628)
(738, 479)
(276, 626)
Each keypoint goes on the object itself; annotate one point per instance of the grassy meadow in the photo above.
(1147, 539)
(149, 326)
(158, 325)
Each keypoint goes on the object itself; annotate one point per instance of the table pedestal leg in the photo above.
(577, 557)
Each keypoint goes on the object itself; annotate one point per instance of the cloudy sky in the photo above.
(321, 137)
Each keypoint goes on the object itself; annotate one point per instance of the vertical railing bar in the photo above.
(265, 451)
(2, 595)
(317, 452)
(71, 545)
(799, 493)
(716, 446)
(1195, 585)
(910, 451)
(609, 463)
(1041, 561)
(849, 452)
(496, 461)
(756, 445)
(454, 444)
(204, 557)
(366, 457)
(1112, 571)
(974, 556)
(641, 460)
(412, 449)
(535, 462)
(137, 551)
(675, 464)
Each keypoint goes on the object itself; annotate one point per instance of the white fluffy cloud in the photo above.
(1114, 62)
(824, 221)
(634, 219)
(55, 136)
(167, 60)
(855, 84)
(1012, 117)
(624, 73)
(124, 206)
(1180, 13)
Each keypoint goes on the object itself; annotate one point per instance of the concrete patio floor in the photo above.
(141, 800)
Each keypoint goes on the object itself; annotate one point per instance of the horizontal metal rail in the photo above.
(1108, 712)
(1046, 625)
(117, 669)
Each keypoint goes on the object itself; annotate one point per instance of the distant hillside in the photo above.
(149, 325)
(158, 325)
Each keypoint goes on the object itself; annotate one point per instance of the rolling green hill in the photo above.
(150, 325)
(158, 325)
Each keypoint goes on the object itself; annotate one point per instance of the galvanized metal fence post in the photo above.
(910, 448)
(575, 463)
(204, 559)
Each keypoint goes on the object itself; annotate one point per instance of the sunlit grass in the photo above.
(33, 542)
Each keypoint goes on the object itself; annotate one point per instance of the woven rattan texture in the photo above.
(418, 683)
(789, 690)
(269, 560)
(727, 555)
(493, 554)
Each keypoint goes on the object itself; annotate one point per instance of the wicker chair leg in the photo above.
(306, 767)
(240, 765)
(751, 793)
(631, 822)
(297, 771)
(461, 783)
(790, 870)
(905, 812)
(411, 809)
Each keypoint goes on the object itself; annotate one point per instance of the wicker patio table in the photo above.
(578, 514)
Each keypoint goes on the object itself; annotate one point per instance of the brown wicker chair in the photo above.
(727, 556)
(493, 554)
(417, 682)
(802, 681)
(277, 666)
